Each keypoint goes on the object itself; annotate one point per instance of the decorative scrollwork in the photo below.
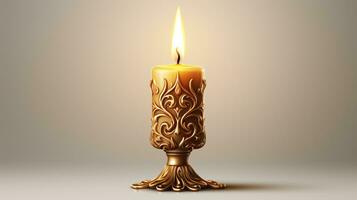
(177, 116)
(178, 178)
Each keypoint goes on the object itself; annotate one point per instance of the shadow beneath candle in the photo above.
(261, 187)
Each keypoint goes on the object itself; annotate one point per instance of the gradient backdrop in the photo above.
(74, 79)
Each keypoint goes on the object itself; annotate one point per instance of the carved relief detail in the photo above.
(177, 116)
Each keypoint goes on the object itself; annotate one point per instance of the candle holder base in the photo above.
(178, 175)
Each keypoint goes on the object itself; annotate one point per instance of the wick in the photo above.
(178, 56)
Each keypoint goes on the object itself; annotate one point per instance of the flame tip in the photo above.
(177, 49)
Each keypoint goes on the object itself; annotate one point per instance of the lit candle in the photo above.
(177, 120)
(177, 99)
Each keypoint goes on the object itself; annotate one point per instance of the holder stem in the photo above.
(178, 175)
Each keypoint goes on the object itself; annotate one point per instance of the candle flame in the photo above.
(178, 39)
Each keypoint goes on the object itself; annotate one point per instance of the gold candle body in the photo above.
(177, 107)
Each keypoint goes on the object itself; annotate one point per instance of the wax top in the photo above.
(178, 67)
(170, 73)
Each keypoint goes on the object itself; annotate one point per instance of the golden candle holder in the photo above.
(177, 128)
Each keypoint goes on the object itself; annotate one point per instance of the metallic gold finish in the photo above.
(177, 158)
(177, 116)
(178, 175)
(178, 128)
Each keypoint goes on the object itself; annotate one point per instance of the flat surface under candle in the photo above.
(250, 182)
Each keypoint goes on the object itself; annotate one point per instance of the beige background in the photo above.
(282, 79)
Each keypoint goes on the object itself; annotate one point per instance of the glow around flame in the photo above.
(178, 39)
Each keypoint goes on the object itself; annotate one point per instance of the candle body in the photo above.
(177, 107)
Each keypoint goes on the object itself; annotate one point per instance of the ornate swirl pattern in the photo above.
(178, 178)
(177, 116)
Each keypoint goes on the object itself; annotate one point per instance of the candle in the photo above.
(177, 96)
(177, 119)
